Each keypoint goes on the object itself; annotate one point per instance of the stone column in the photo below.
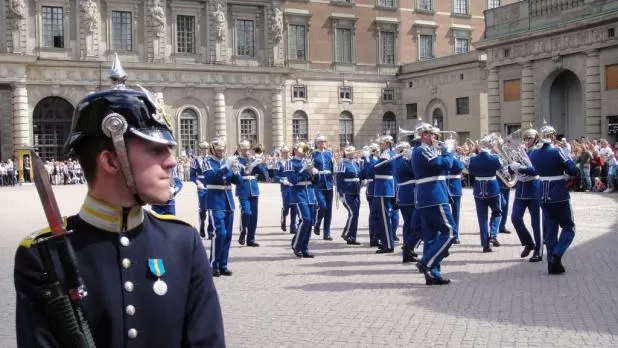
(21, 120)
(277, 118)
(220, 119)
(593, 94)
(493, 101)
(527, 94)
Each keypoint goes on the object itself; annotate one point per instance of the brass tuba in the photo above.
(495, 143)
(515, 150)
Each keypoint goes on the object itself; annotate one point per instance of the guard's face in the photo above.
(151, 164)
(285, 155)
(320, 145)
(244, 152)
(529, 141)
(219, 153)
(204, 151)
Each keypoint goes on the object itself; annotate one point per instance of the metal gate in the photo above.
(51, 127)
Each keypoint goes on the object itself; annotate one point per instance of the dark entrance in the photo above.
(51, 127)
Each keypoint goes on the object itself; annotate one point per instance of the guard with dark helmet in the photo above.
(148, 278)
(551, 164)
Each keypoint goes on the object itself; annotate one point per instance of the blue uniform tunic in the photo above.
(486, 194)
(349, 178)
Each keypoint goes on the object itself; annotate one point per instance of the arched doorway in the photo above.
(437, 118)
(562, 104)
(51, 126)
(389, 124)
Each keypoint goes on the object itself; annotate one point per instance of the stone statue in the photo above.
(158, 18)
(219, 17)
(277, 24)
(18, 9)
(91, 14)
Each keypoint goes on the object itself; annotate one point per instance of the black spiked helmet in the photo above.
(119, 109)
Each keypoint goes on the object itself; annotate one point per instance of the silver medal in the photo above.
(159, 287)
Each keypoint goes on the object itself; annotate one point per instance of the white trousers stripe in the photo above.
(300, 226)
(384, 217)
(346, 228)
(447, 243)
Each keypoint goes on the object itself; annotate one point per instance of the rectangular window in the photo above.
(53, 26)
(387, 47)
(244, 38)
(346, 132)
(512, 90)
(300, 130)
(611, 76)
(345, 93)
(493, 3)
(299, 92)
(424, 5)
(461, 7)
(425, 47)
(248, 129)
(463, 105)
(462, 45)
(185, 34)
(122, 30)
(343, 44)
(188, 134)
(411, 111)
(296, 42)
(386, 3)
(388, 94)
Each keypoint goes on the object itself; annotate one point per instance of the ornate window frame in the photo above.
(119, 5)
(386, 24)
(187, 8)
(425, 28)
(258, 126)
(198, 113)
(418, 9)
(297, 17)
(395, 6)
(461, 15)
(52, 52)
(300, 115)
(250, 13)
(461, 31)
(344, 21)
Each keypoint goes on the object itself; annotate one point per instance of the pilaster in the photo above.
(493, 101)
(527, 94)
(277, 117)
(21, 121)
(220, 119)
(593, 94)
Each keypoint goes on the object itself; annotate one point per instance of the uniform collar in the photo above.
(107, 217)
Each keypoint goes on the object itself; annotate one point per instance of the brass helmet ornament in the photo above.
(117, 114)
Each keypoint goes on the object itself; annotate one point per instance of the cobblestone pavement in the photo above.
(350, 297)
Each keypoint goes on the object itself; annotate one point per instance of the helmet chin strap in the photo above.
(114, 126)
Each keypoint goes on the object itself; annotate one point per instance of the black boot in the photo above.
(409, 256)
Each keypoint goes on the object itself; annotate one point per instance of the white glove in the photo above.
(314, 171)
(449, 145)
(515, 166)
(286, 182)
(407, 154)
(365, 154)
(200, 186)
(385, 155)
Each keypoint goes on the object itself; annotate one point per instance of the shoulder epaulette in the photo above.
(170, 218)
(44, 232)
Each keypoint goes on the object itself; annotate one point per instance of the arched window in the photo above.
(249, 126)
(189, 131)
(437, 119)
(300, 126)
(389, 124)
(51, 127)
(346, 129)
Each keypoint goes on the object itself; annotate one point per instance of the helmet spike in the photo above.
(117, 73)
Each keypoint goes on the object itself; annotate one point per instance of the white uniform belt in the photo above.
(324, 172)
(430, 179)
(249, 177)
(200, 177)
(485, 178)
(219, 187)
(369, 180)
(409, 182)
(551, 178)
(303, 183)
(351, 180)
(454, 176)
(528, 178)
(384, 177)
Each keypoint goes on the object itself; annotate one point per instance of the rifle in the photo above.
(63, 308)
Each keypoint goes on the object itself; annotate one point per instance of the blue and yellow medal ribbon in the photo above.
(156, 267)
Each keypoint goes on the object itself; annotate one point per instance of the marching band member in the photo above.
(283, 166)
(396, 163)
(349, 178)
(383, 196)
(169, 208)
(323, 162)
(505, 193)
(196, 175)
(432, 202)
(551, 164)
(300, 178)
(370, 159)
(455, 190)
(527, 193)
(220, 201)
(486, 193)
(248, 193)
(405, 200)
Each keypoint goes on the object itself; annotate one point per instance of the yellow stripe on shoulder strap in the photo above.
(169, 217)
(27, 242)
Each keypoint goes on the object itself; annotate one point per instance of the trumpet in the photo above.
(404, 132)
